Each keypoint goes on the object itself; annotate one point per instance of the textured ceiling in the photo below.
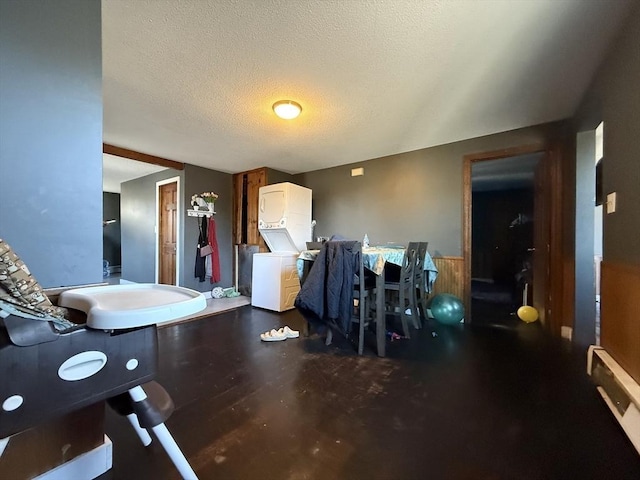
(194, 80)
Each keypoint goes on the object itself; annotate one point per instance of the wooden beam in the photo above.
(141, 157)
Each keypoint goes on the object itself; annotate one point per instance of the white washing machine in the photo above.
(275, 283)
(284, 221)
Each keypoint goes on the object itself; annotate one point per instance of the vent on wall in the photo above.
(620, 391)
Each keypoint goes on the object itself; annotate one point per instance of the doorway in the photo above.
(588, 234)
(167, 248)
(598, 221)
(116, 171)
(537, 261)
(502, 221)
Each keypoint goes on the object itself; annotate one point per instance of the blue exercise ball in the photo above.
(447, 309)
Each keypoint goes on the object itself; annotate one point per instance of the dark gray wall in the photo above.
(407, 197)
(198, 180)
(51, 137)
(111, 244)
(621, 167)
(138, 214)
(613, 97)
(276, 176)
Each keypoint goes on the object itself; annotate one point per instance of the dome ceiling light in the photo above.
(287, 109)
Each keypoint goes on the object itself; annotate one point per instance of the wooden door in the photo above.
(246, 193)
(167, 233)
(548, 261)
(549, 275)
(255, 180)
(541, 240)
(239, 209)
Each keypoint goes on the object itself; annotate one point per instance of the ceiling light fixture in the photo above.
(287, 109)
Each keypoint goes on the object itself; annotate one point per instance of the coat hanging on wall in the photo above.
(200, 269)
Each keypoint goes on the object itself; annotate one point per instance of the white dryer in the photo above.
(284, 221)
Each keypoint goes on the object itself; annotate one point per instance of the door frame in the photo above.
(555, 213)
(178, 228)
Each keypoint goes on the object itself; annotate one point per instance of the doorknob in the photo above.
(531, 249)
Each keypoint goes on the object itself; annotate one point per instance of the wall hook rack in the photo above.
(200, 213)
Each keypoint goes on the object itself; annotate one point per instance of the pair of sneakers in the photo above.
(279, 334)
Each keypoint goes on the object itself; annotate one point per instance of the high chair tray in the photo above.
(132, 305)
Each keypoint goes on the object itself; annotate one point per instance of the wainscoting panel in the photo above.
(620, 315)
(450, 276)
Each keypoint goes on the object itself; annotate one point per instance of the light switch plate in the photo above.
(611, 202)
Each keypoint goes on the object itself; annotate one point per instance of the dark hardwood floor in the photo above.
(450, 403)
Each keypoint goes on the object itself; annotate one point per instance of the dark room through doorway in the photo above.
(502, 238)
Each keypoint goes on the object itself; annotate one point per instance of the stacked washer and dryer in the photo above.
(284, 221)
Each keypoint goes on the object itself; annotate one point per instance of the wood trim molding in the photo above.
(466, 236)
(141, 157)
(238, 179)
(506, 152)
(466, 206)
(556, 254)
(620, 319)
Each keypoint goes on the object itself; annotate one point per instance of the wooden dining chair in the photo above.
(363, 292)
(338, 273)
(420, 283)
(405, 285)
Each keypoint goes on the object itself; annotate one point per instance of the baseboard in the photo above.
(619, 390)
(87, 466)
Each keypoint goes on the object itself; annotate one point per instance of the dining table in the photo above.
(375, 258)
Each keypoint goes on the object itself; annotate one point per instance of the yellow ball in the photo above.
(528, 314)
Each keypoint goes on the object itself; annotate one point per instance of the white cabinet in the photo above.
(275, 283)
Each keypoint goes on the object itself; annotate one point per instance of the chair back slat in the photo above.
(420, 278)
(409, 261)
(421, 253)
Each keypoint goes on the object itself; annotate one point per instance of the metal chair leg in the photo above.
(164, 437)
(145, 438)
(174, 452)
